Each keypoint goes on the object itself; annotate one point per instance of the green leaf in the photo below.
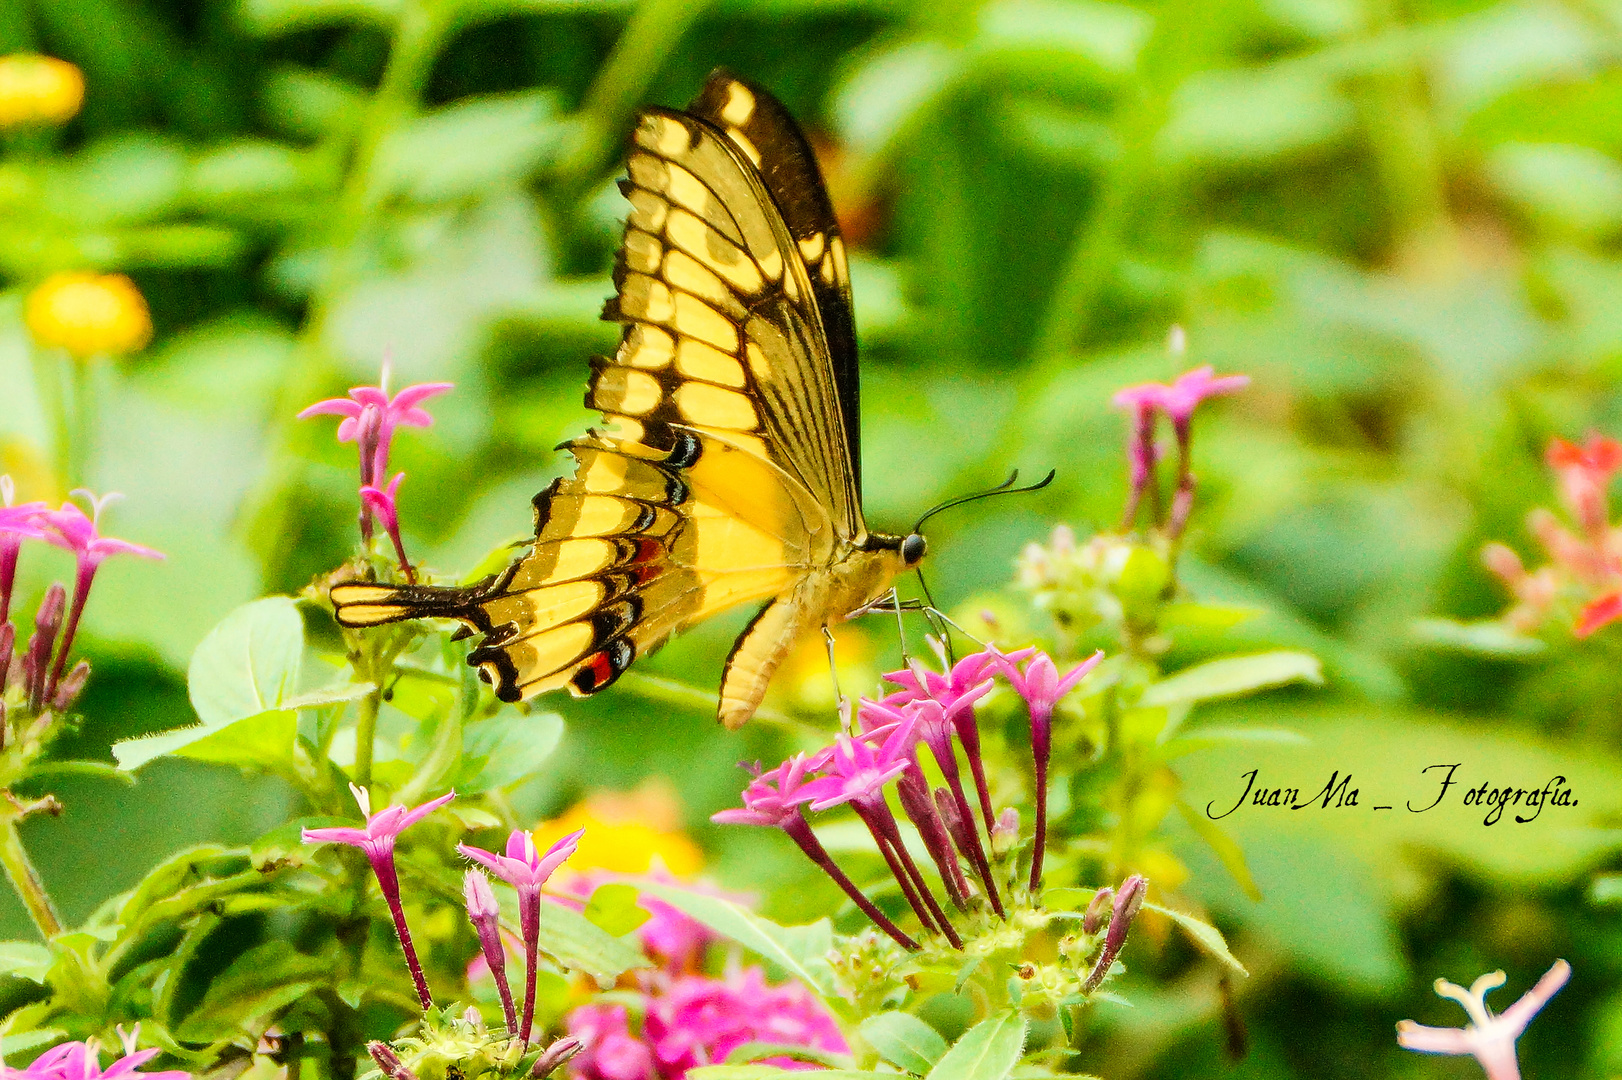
(1486, 637)
(262, 743)
(249, 663)
(1232, 676)
(336, 694)
(468, 146)
(571, 939)
(987, 1051)
(904, 1041)
(1253, 116)
(613, 907)
(1204, 934)
(1226, 848)
(241, 683)
(785, 946)
(283, 16)
(25, 960)
(1107, 35)
(25, 1041)
(258, 984)
(1605, 890)
(1181, 614)
(506, 748)
(1576, 188)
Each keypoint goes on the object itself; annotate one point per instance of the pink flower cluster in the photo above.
(41, 676)
(82, 1061)
(696, 1020)
(1177, 401)
(370, 417)
(935, 709)
(1585, 565)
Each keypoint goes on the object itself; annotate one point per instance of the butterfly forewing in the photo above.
(727, 471)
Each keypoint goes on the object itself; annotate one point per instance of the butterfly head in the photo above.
(913, 549)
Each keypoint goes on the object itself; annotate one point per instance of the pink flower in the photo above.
(1141, 397)
(388, 413)
(376, 839)
(1491, 1039)
(608, 1049)
(382, 503)
(69, 528)
(1184, 395)
(82, 1061)
(16, 525)
(781, 807)
(1041, 687)
(699, 1021)
(858, 771)
(526, 870)
(772, 798)
(1585, 476)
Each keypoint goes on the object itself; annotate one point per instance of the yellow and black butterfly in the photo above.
(731, 469)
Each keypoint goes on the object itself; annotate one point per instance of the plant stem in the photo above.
(25, 879)
(366, 735)
(638, 57)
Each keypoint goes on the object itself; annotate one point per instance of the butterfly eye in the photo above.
(912, 549)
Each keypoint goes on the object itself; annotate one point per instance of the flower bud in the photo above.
(1094, 917)
(89, 314)
(389, 1062)
(8, 645)
(1005, 834)
(555, 1055)
(38, 90)
(68, 691)
(1128, 901)
(37, 662)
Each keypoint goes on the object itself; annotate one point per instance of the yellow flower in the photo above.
(38, 90)
(626, 833)
(87, 314)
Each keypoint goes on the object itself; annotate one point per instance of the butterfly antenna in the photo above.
(1005, 488)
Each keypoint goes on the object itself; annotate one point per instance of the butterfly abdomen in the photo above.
(362, 603)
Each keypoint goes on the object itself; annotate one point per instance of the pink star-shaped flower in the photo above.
(69, 528)
(1184, 395)
(376, 839)
(386, 413)
(1490, 1039)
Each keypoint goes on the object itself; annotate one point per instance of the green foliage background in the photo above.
(1401, 219)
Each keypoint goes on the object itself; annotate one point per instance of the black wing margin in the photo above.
(759, 125)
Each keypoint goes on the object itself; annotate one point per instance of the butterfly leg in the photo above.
(833, 673)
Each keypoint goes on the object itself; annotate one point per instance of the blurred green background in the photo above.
(1401, 219)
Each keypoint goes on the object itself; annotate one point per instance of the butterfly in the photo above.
(729, 469)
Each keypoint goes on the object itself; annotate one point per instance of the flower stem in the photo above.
(529, 919)
(25, 879)
(1041, 822)
(800, 831)
(389, 882)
